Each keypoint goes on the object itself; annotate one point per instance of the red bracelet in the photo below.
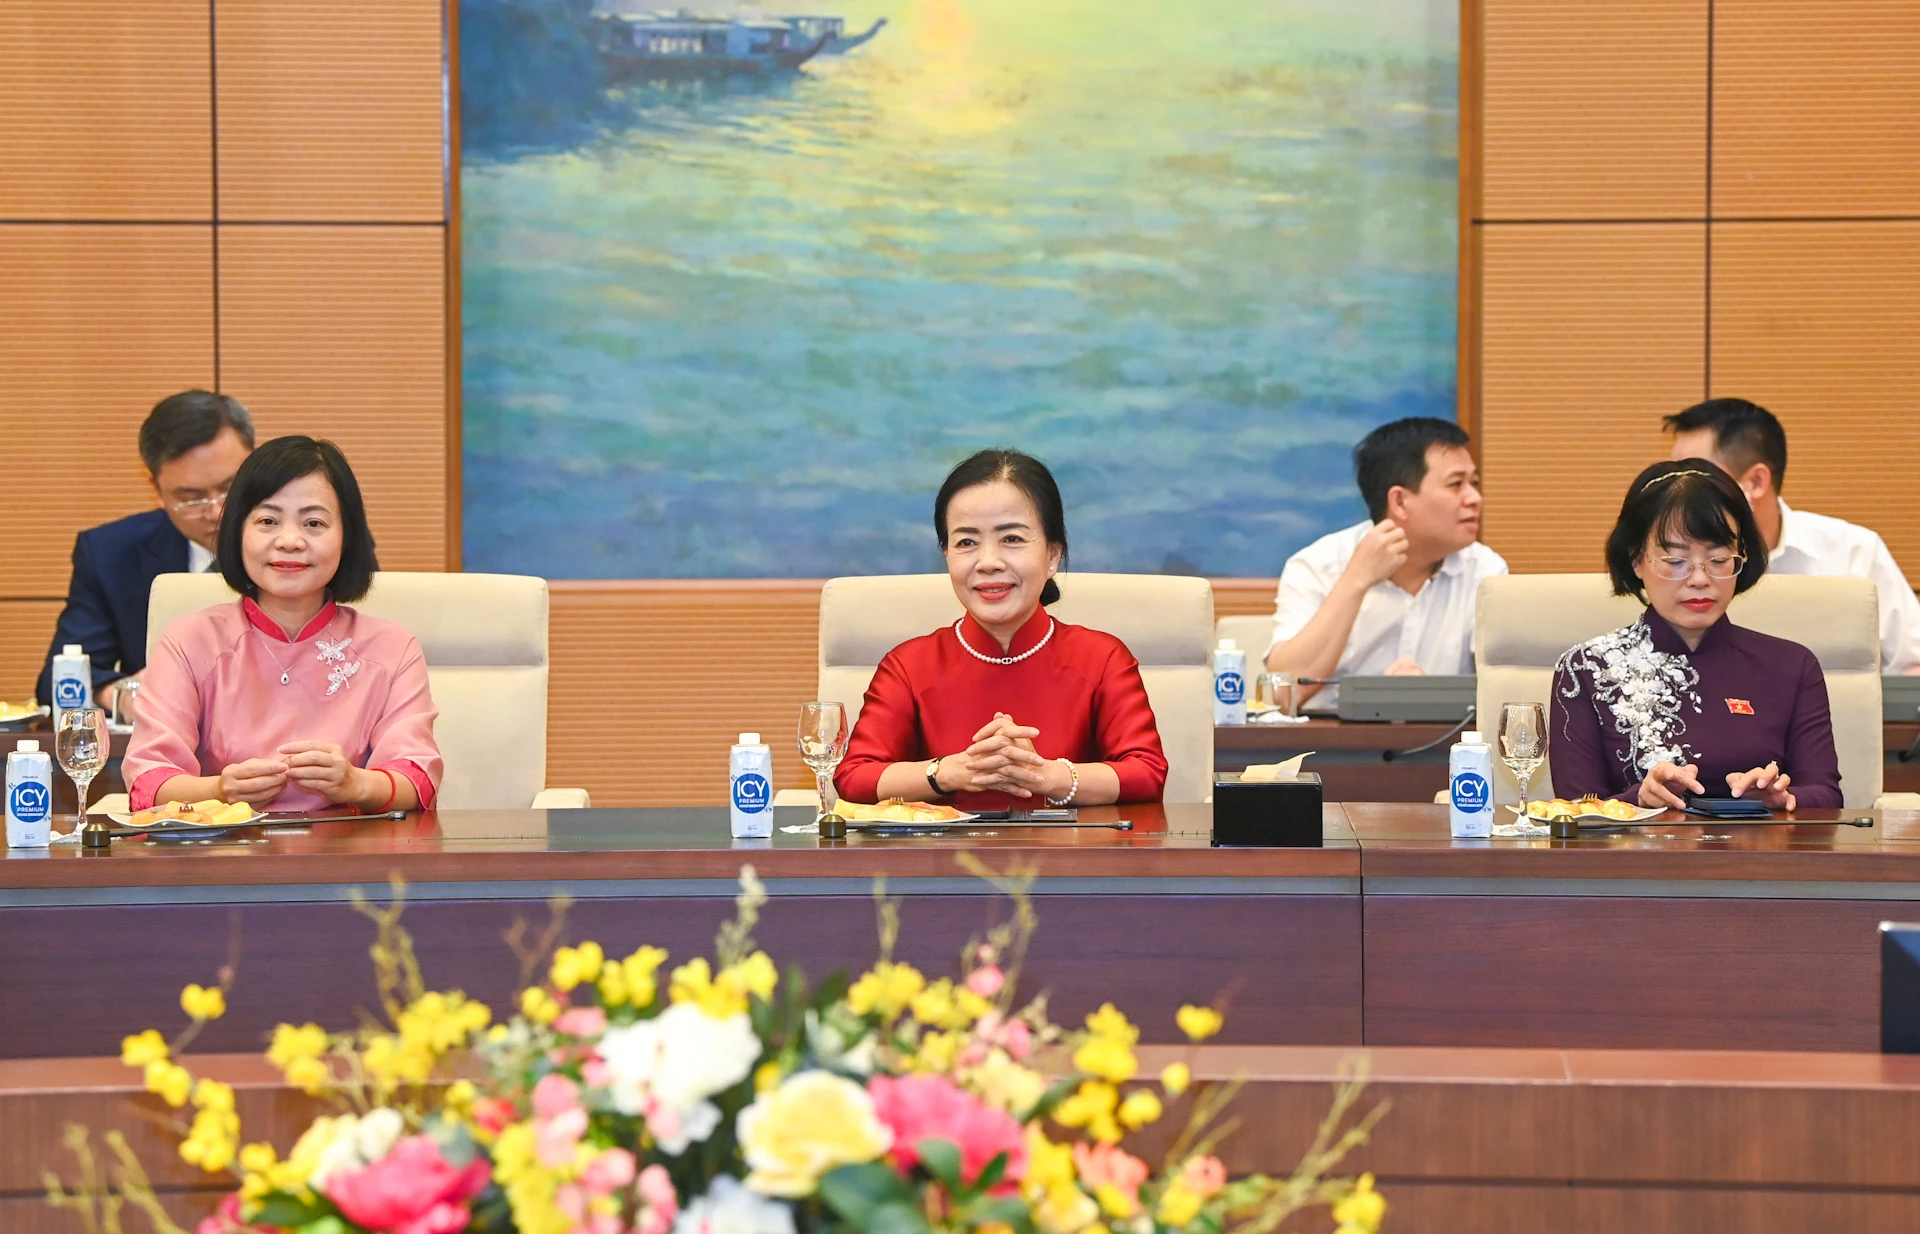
(393, 793)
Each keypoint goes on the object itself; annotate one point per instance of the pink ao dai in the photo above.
(211, 696)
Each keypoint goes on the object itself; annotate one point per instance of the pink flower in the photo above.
(412, 1190)
(1203, 1175)
(986, 981)
(658, 1204)
(610, 1171)
(226, 1219)
(1101, 1164)
(554, 1139)
(493, 1114)
(554, 1094)
(596, 1072)
(919, 1107)
(582, 1022)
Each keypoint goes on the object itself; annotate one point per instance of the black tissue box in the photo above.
(1267, 813)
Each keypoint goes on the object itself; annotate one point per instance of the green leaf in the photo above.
(1009, 1209)
(856, 1192)
(942, 1159)
(1051, 1098)
(328, 1224)
(831, 991)
(278, 1208)
(990, 1173)
(897, 1219)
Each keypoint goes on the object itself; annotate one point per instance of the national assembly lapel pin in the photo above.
(1740, 706)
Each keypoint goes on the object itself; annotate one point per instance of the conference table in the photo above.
(1673, 936)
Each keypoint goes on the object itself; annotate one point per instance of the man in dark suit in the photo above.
(192, 443)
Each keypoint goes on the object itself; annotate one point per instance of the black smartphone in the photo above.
(1727, 807)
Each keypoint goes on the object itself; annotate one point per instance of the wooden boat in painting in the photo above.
(682, 45)
(839, 42)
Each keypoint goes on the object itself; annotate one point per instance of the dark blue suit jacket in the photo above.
(113, 571)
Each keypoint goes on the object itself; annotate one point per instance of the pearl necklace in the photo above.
(1003, 659)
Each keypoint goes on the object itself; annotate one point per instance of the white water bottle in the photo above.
(1229, 683)
(1470, 777)
(72, 679)
(29, 797)
(750, 794)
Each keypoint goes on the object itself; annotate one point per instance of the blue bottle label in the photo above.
(1470, 795)
(752, 793)
(70, 692)
(1229, 687)
(29, 801)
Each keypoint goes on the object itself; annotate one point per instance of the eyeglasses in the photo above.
(200, 507)
(1680, 569)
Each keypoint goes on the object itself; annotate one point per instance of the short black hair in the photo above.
(1744, 433)
(271, 468)
(187, 421)
(1024, 472)
(1395, 455)
(1693, 498)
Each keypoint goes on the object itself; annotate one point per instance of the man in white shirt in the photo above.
(1745, 440)
(1394, 594)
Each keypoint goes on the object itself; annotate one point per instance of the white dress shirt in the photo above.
(1433, 628)
(1816, 544)
(198, 559)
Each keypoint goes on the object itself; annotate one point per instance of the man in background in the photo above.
(192, 444)
(1745, 440)
(1393, 594)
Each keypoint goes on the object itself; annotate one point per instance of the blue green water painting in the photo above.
(728, 315)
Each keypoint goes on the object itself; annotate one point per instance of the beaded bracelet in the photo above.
(1072, 791)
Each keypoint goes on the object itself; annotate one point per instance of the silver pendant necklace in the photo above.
(1003, 659)
(286, 673)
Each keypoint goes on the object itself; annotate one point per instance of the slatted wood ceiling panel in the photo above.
(1591, 333)
(1593, 110)
(340, 332)
(1820, 322)
(105, 110)
(96, 325)
(1243, 597)
(331, 110)
(645, 694)
(1816, 108)
(26, 631)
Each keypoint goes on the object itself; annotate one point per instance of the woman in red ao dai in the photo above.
(1008, 704)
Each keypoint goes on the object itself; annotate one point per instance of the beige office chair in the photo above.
(1167, 622)
(1251, 634)
(1523, 623)
(485, 639)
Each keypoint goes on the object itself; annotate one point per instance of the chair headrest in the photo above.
(1163, 619)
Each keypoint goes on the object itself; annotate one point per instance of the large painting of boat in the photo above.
(741, 279)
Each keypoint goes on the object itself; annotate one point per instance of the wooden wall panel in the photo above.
(26, 631)
(1592, 110)
(340, 332)
(646, 692)
(1820, 323)
(332, 110)
(96, 325)
(1590, 333)
(105, 110)
(1816, 108)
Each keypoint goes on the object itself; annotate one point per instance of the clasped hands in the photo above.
(1002, 760)
(1771, 785)
(320, 767)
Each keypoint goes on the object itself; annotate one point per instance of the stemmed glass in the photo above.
(823, 743)
(1523, 747)
(80, 743)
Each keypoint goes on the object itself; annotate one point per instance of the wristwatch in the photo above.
(933, 777)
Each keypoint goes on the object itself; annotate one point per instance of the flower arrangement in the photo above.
(629, 1095)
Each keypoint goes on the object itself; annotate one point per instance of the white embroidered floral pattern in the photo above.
(342, 669)
(1643, 689)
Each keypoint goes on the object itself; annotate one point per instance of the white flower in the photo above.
(729, 1208)
(374, 1138)
(664, 1069)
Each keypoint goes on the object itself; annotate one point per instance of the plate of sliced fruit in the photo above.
(199, 818)
(1590, 811)
(897, 812)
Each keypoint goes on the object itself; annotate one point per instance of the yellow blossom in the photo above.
(1363, 1209)
(214, 1137)
(1001, 1082)
(1140, 1108)
(258, 1158)
(694, 982)
(573, 965)
(1065, 1210)
(202, 1003)
(435, 1022)
(213, 1095)
(637, 972)
(290, 1043)
(811, 1123)
(937, 1052)
(538, 1005)
(1047, 1164)
(1110, 1058)
(1109, 1022)
(1198, 1023)
(1175, 1078)
(767, 1076)
(756, 973)
(529, 1185)
(1091, 1106)
(613, 986)
(933, 1006)
(393, 1061)
(885, 989)
(1178, 1205)
(170, 1080)
(458, 1099)
(309, 1075)
(1114, 1202)
(144, 1048)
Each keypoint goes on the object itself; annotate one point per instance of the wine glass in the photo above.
(80, 743)
(823, 743)
(1523, 747)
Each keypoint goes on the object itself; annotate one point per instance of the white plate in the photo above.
(125, 821)
(1640, 815)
